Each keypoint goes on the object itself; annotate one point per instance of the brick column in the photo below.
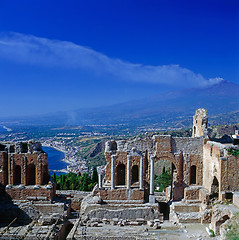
(128, 172)
(113, 157)
(10, 169)
(141, 173)
(24, 170)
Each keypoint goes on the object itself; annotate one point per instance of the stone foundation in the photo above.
(32, 193)
(122, 194)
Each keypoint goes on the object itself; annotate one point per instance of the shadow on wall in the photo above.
(23, 213)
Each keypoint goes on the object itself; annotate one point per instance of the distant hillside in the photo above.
(171, 109)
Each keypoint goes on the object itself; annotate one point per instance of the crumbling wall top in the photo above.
(200, 121)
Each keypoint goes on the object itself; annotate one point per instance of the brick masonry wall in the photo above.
(211, 165)
(23, 194)
(122, 194)
(230, 173)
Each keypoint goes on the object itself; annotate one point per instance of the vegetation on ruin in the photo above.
(232, 228)
(163, 180)
(73, 181)
(234, 152)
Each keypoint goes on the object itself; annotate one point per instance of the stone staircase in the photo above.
(183, 212)
(190, 209)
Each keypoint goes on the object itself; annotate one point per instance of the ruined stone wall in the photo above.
(121, 158)
(212, 152)
(192, 146)
(23, 163)
(217, 162)
(229, 173)
(3, 168)
(200, 120)
(170, 148)
(31, 192)
(236, 199)
(122, 194)
(38, 161)
(142, 145)
(183, 152)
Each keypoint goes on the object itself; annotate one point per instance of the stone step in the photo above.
(192, 217)
(193, 201)
(186, 208)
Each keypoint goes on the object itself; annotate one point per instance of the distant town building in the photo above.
(236, 137)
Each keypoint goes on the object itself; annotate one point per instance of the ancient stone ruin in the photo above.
(203, 174)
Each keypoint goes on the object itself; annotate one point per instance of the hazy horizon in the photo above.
(60, 57)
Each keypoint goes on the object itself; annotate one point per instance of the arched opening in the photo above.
(12, 149)
(113, 146)
(31, 174)
(135, 174)
(193, 174)
(2, 147)
(17, 174)
(214, 189)
(164, 208)
(220, 222)
(120, 174)
(24, 148)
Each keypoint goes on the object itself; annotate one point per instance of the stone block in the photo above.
(156, 225)
(94, 224)
(152, 199)
(150, 223)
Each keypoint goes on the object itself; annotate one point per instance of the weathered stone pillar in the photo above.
(151, 190)
(24, 170)
(128, 172)
(141, 173)
(100, 180)
(113, 157)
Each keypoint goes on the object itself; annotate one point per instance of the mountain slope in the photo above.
(176, 107)
(220, 98)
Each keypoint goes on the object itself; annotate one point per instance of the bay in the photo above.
(55, 160)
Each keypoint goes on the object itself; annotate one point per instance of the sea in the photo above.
(2, 129)
(55, 160)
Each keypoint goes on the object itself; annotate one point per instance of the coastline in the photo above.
(56, 148)
(71, 158)
(63, 170)
(7, 128)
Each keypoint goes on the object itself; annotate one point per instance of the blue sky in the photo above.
(65, 55)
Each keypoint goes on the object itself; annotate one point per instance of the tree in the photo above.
(94, 176)
(163, 180)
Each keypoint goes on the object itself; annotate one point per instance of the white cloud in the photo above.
(34, 50)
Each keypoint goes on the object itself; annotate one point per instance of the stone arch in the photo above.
(220, 222)
(193, 174)
(135, 174)
(17, 174)
(31, 174)
(177, 189)
(214, 188)
(120, 174)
